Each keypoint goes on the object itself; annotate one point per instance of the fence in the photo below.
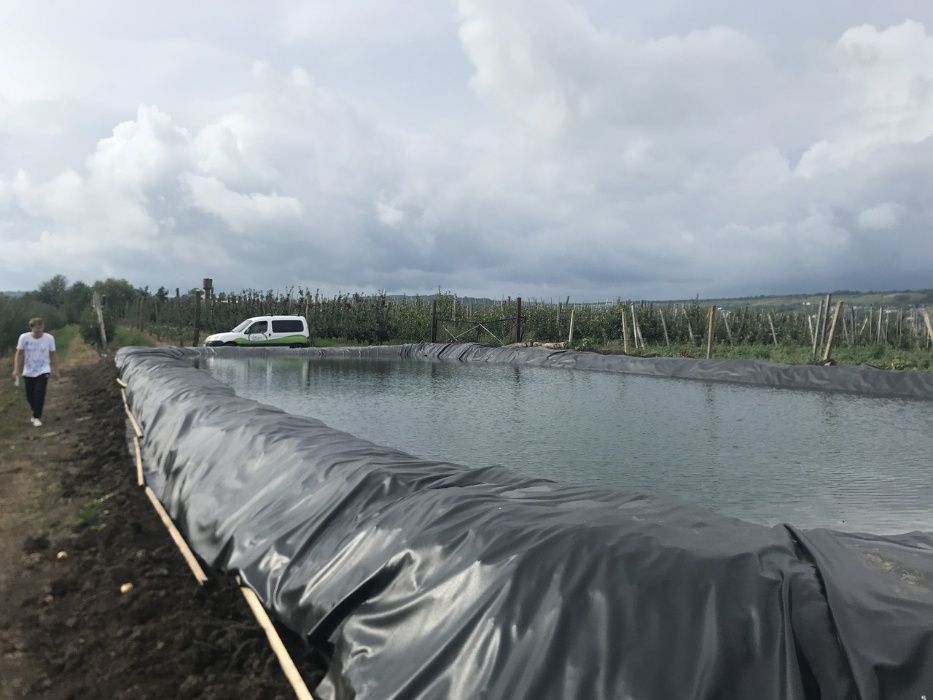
(379, 318)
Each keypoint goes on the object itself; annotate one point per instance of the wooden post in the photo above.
(725, 320)
(929, 324)
(827, 353)
(689, 327)
(197, 319)
(208, 284)
(570, 334)
(773, 334)
(625, 333)
(100, 322)
(711, 328)
(434, 320)
(635, 328)
(824, 326)
(292, 675)
(518, 318)
(818, 335)
(810, 328)
(176, 536)
(878, 334)
(667, 340)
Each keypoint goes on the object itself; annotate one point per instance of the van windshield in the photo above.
(242, 327)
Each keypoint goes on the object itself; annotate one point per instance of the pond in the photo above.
(811, 459)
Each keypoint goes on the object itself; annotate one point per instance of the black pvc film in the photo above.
(432, 580)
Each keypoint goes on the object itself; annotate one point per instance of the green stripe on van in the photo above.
(287, 340)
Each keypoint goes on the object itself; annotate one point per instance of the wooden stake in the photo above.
(929, 324)
(711, 328)
(177, 538)
(725, 320)
(818, 330)
(140, 480)
(689, 327)
(130, 416)
(518, 318)
(570, 334)
(773, 334)
(281, 653)
(664, 328)
(122, 383)
(825, 322)
(827, 353)
(625, 333)
(196, 337)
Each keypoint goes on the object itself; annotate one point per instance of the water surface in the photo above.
(768, 455)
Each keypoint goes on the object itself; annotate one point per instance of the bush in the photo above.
(90, 327)
(15, 315)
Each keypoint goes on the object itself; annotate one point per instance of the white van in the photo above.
(289, 331)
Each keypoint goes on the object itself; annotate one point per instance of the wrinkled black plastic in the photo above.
(862, 379)
(432, 580)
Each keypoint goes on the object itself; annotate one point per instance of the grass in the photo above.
(884, 357)
(64, 337)
(93, 510)
(125, 336)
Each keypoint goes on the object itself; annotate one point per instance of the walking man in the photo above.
(35, 360)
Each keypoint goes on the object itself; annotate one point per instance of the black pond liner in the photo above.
(423, 579)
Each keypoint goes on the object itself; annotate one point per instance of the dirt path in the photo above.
(73, 529)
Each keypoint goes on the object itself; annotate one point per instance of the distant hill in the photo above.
(907, 297)
(12, 295)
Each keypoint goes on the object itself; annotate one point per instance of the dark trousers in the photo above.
(35, 393)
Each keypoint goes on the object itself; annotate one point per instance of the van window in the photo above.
(287, 326)
(258, 327)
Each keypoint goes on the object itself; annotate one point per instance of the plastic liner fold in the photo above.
(861, 379)
(424, 579)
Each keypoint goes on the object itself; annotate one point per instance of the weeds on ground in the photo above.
(93, 510)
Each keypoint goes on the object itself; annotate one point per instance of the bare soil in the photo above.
(74, 528)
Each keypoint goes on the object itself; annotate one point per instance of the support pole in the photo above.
(183, 547)
(140, 479)
(570, 334)
(434, 320)
(725, 320)
(281, 653)
(667, 340)
(197, 319)
(827, 353)
(518, 318)
(711, 328)
(773, 334)
(625, 333)
(929, 324)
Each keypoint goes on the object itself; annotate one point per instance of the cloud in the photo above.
(577, 149)
(880, 217)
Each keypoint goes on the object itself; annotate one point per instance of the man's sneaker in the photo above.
(36, 422)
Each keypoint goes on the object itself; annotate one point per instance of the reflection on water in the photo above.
(767, 455)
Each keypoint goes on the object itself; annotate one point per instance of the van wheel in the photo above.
(229, 345)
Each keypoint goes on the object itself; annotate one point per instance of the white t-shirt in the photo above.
(36, 353)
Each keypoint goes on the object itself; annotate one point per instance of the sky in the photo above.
(536, 148)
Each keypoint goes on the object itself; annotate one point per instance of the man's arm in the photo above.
(17, 362)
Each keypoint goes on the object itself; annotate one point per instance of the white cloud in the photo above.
(243, 212)
(574, 148)
(879, 217)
